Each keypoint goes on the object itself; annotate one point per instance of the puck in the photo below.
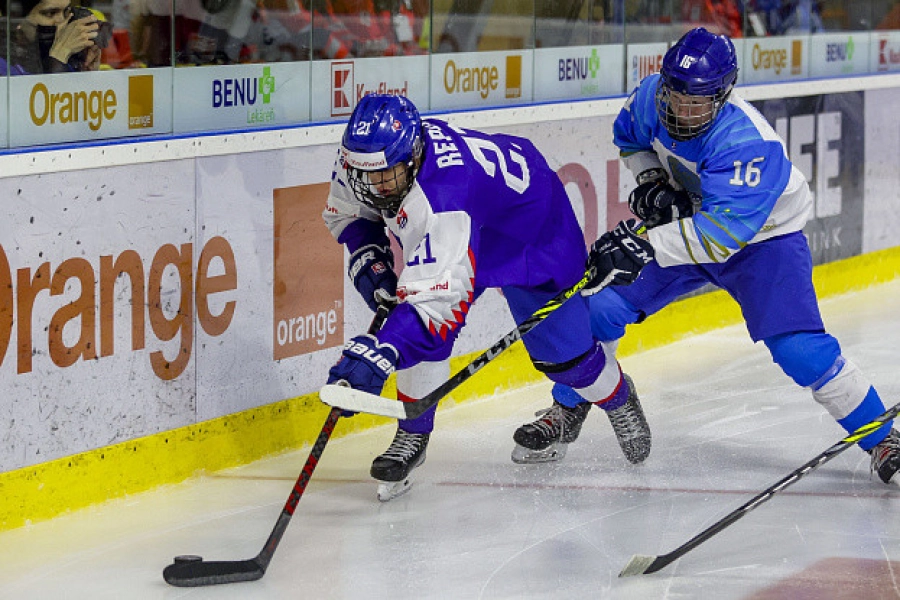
(187, 558)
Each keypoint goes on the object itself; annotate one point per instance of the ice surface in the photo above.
(726, 424)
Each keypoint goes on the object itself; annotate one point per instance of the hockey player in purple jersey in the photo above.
(471, 211)
(731, 207)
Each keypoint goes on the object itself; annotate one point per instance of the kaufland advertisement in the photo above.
(347, 81)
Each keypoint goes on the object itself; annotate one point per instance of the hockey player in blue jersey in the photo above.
(471, 211)
(730, 207)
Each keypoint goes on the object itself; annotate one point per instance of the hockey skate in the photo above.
(631, 428)
(392, 468)
(886, 456)
(547, 439)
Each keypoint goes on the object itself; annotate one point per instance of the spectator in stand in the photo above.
(785, 17)
(5, 68)
(724, 16)
(378, 27)
(50, 40)
(801, 16)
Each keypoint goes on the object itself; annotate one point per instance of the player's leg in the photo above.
(611, 310)
(407, 450)
(814, 360)
(551, 347)
(786, 317)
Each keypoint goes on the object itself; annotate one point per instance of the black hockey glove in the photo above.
(617, 257)
(372, 269)
(658, 203)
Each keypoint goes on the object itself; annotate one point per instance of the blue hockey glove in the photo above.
(617, 257)
(372, 269)
(365, 364)
(658, 203)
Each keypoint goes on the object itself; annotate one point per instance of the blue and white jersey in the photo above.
(485, 211)
(750, 190)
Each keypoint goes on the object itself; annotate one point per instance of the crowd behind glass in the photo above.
(135, 34)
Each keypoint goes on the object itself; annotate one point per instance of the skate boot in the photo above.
(547, 439)
(886, 456)
(630, 425)
(392, 468)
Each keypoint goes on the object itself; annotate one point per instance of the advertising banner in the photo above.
(468, 79)
(346, 81)
(89, 105)
(101, 280)
(308, 285)
(836, 54)
(578, 72)
(241, 96)
(775, 59)
(884, 51)
(643, 60)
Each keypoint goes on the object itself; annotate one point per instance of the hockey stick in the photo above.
(193, 571)
(640, 565)
(359, 401)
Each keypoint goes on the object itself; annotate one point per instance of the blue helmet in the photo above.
(701, 68)
(384, 131)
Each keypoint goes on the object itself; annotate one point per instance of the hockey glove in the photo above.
(372, 269)
(617, 257)
(658, 203)
(365, 364)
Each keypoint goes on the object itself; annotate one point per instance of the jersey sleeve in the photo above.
(437, 284)
(634, 135)
(741, 186)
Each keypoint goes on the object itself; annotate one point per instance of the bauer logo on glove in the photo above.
(371, 355)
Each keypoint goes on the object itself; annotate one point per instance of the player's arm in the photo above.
(362, 231)
(740, 188)
(633, 133)
(437, 287)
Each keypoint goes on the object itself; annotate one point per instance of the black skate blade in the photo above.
(200, 573)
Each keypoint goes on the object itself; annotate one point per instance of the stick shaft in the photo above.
(202, 573)
(415, 409)
(791, 478)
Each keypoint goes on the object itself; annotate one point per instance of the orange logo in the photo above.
(308, 280)
(140, 101)
(796, 57)
(514, 76)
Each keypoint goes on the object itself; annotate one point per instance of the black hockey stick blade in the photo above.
(200, 573)
(640, 564)
(193, 571)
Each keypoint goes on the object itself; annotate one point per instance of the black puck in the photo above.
(187, 558)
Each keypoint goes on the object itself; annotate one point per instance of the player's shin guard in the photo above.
(623, 408)
(845, 392)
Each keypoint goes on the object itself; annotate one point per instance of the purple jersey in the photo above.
(485, 211)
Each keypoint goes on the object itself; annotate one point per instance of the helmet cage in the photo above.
(365, 182)
(687, 116)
